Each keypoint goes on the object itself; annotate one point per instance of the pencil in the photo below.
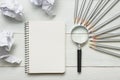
(105, 23)
(108, 30)
(81, 11)
(105, 51)
(105, 36)
(103, 4)
(105, 40)
(76, 10)
(104, 13)
(93, 12)
(105, 46)
(87, 10)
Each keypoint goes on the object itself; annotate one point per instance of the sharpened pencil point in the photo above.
(91, 46)
(89, 27)
(74, 20)
(90, 32)
(93, 40)
(92, 43)
(78, 20)
(90, 36)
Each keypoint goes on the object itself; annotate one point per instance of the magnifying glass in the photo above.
(79, 36)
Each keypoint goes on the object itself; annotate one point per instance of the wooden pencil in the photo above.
(105, 51)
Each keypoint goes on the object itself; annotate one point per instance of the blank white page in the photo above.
(46, 47)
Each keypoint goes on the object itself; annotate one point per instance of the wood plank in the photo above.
(88, 73)
(90, 57)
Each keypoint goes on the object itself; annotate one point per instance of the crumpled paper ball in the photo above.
(46, 5)
(6, 43)
(12, 9)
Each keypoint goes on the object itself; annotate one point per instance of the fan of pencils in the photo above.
(98, 38)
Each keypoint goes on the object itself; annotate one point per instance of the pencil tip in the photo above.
(90, 36)
(89, 32)
(78, 20)
(90, 46)
(92, 40)
(74, 20)
(89, 27)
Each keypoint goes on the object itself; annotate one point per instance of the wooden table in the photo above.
(96, 65)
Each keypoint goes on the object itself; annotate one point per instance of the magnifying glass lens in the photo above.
(79, 35)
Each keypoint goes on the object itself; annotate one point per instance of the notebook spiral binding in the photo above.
(26, 47)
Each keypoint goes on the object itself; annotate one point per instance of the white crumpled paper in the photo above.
(6, 42)
(12, 9)
(46, 5)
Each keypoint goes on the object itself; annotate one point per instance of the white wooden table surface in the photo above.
(96, 65)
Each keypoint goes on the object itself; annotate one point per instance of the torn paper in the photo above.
(12, 9)
(6, 43)
(46, 5)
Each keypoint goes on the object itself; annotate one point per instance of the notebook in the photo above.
(44, 47)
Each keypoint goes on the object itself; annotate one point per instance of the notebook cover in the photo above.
(46, 47)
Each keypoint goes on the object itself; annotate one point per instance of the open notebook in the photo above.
(45, 47)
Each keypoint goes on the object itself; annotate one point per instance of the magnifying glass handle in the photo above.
(79, 60)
